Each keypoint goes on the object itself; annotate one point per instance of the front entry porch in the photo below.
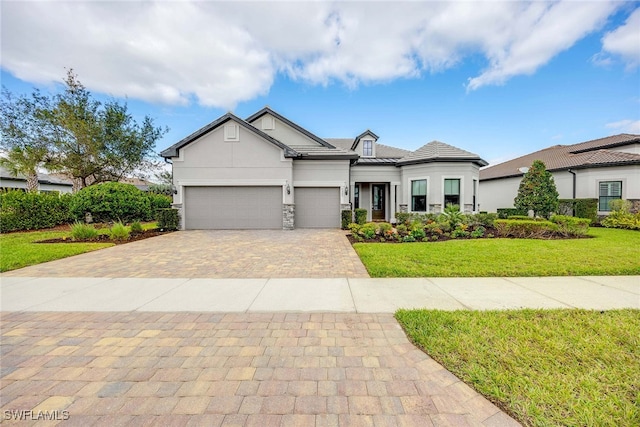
(378, 198)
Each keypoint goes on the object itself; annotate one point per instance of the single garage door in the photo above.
(226, 208)
(317, 207)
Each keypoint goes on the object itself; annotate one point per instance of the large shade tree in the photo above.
(76, 135)
(97, 142)
(25, 133)
(537, 191)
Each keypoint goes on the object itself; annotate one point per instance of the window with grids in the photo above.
(367, 148)
(419, 195)
(609, 190)
(451, 192)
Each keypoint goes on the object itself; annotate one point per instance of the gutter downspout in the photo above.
(574, 182)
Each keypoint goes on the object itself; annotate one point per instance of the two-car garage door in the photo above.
(226, 208)
(259, 207)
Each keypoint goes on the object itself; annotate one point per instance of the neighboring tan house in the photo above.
(605, 169)
(46, 182)
(268, 172)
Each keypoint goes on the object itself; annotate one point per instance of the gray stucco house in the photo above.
(268, 172)
(604, 169)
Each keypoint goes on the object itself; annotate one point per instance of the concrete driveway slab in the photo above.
(580, 293)
(219, 295)
(625, 283)
(388, 295)
(220, 254)
(42, 292)
(492, 293)
(11, 281)
(308, 295)
(111, 295)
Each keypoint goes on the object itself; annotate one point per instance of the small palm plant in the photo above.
(453, 216)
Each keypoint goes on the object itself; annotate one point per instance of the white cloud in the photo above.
(624, 41)
(222, 53)
(625, 126)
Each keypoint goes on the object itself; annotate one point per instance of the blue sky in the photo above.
(500, 79)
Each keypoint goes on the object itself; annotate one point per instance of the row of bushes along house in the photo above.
(105, 202)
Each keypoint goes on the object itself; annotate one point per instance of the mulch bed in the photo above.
(104, 238)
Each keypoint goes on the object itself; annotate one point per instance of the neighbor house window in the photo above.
(356, 197)
(367, 148)
(419, 195)
(609, 190)
(451, 192)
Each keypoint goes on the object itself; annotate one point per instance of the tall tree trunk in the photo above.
(32, 182)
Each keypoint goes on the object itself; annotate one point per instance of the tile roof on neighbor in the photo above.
(595, 153)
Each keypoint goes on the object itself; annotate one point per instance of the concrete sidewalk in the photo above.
(315, 295)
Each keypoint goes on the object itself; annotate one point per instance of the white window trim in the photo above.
(462, 199)
(409, 200)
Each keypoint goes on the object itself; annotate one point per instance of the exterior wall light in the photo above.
(288, 189)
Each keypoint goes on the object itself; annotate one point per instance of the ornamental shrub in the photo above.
(385, 228)
(21, 210)
(621, 216)
(537, 191)
(168, 219)
(111, 201)
(525, 229)
(136, 227)
(482, 219)
(368, 231)
(452, 216)
(361, 216)
(347, 218)
(418, 232)
(119, 231)
(586, 208)
(570, 226)
(403, 218)
(82, 231)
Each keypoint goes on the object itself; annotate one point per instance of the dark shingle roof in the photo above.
(322, 152)
(267, 110)
(595, 153)
(439, 151)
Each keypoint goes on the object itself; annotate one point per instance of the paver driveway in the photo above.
(216, 254)
(208, 369)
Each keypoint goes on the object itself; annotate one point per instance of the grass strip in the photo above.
(544, 367)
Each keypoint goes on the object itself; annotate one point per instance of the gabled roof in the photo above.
(441, 152)
(267, 110)
(589, 154)
(173, 150)
(362, 135)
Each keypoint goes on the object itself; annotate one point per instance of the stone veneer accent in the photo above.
(345, 207)
(288, 216)
(635, 205)
(403, 208)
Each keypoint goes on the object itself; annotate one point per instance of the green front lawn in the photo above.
(544, 367)
(609, 252)
(17, 250)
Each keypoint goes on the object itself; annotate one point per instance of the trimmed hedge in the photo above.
(32, 211)
(111, 202)
(157, 201)
(168, 219)
(504, 213)
(570, 226)
(523, 229)
(580, 208)
(361, 216)
(347, 218)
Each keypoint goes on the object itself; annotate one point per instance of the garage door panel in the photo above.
(233, 207)
(317, 207)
